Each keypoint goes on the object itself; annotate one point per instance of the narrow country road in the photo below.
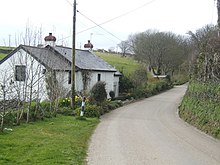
(149, 132)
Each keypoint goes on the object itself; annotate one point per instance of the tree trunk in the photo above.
(3, 114)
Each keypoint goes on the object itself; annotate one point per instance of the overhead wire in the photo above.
(112, 19)
(122, 15)
(98, 25)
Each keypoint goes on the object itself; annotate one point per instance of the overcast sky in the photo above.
(178, 16)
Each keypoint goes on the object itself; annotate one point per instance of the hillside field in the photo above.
(2, 55)
(4, 50)
(127, 65)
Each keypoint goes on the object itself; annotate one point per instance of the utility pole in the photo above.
(73, 56)
(218, 8)
(9, 40)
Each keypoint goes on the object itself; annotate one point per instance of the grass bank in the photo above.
(4, 50)
(2, 55)
(201, 107)
(126, 64)
(60, 140)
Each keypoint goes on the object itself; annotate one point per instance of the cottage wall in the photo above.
(107, 77)
(34, 82)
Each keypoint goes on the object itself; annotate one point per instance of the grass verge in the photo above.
(201, 108)
(60, 140)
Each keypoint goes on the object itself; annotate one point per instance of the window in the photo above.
(69, 77)
(99, 77)
(44, 71)
(20, 72)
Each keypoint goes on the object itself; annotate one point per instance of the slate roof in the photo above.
(48, 57)
(84, 59)
(60, 58)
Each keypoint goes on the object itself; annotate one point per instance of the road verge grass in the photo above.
(60, 140)
(201, 108)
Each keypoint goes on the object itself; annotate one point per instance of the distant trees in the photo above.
(164, 52)
(125, 47)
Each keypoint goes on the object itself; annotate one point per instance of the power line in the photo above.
(98, 25)
(112, 19)
(69, 3)
(122, 15)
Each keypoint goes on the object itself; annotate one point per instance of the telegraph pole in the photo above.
(9, 40)
(218, 8)
(73, 56)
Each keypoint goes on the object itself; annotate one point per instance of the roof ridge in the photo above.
(60, 46)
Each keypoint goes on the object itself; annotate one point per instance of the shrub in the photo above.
(112, 95)
(64, 102)
(139, 77)
(114, 104)
(90, 111)
(125, 84)
(98, 93)
(10, 118)
(35, 112)
(67, 111)
(47, 109)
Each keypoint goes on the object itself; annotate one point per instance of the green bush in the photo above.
(90, 111)
(35, 111)
(125, 84)
(10, 118)
(112, 95)
(67, 111)
(46, 109)
(150, 89)
(64, 102)
(114, 104)
(98, 93)
(138, 92)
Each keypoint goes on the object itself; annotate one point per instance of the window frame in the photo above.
(99, 77)
(20, 72)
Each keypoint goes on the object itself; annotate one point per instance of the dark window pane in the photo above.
(20, 72)
(99, 77)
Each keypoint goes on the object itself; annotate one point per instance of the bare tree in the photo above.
(162, 51)
(124, 46)
(2, 114)
(206, 44)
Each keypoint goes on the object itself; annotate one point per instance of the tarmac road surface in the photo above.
(149, 132)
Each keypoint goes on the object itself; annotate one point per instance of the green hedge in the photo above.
(91, 111)
(201, 107)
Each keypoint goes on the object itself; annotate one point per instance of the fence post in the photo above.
(82, 107)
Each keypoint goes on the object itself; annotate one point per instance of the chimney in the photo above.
(88, 45)
(50, 40)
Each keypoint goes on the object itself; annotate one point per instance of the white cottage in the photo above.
(30, 71)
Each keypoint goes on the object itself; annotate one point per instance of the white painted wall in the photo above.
(22, 89)
(107, 77)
